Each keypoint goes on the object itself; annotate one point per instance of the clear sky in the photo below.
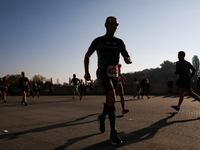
(51, 37)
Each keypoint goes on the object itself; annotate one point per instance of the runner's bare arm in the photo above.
(86, 65)
(127, 60)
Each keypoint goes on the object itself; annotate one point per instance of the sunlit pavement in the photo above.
(60, 122)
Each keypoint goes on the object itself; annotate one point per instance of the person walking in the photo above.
(108, 48)
(50, 89)
(83, 88)
(136, 85)
(120, 89)
(4, 89)
(170, 85)
(144, 84)
(38, 89)
(35, 89)
(23, 87)
(75, 82)
(183, 69)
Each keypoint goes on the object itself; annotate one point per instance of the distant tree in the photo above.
(155, 75)
(14, 78)
(167, 70)
(65, 84)
(47, 83)
(70, 81)
(195, 62)
(38, 78)
(13, 81)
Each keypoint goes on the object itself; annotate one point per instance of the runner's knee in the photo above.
(111, 98)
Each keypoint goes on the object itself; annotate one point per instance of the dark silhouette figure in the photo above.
(183, 69)
(170, 85)
(108, 48)
(145, 86)
(51, 89)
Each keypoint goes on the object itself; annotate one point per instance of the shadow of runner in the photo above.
(170, 96)
(11, 136)
(72, 141)
(141, 135)
(130, 100)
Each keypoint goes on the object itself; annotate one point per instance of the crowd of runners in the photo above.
(108, 49)
(24, 87)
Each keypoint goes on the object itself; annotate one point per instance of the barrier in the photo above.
(154, 88)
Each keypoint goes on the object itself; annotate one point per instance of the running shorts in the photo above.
(185, 84)
(24, 89)
(108, 83)
(75, 86)
(4, 90)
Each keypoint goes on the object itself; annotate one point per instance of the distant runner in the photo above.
(183, 69)
(75, 82)
(23, 87)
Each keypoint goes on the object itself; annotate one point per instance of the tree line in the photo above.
(155, 75)
(162, 74)
(13, 80)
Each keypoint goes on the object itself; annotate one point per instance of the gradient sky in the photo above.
(51, 37)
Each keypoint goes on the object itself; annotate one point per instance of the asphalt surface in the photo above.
(60, 122)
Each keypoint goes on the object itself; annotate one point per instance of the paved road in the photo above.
(60, 122)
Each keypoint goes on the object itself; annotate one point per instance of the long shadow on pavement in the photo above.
(140, 135)
(72, 141)
(45, 128)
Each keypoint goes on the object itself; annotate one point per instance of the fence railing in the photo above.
(154, 88)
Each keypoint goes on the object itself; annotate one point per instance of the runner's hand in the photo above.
(127, 60)
(87, 76)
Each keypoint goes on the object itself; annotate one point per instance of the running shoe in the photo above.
(101, 123)
(115, 139)
(176, 108)
(125, 111)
